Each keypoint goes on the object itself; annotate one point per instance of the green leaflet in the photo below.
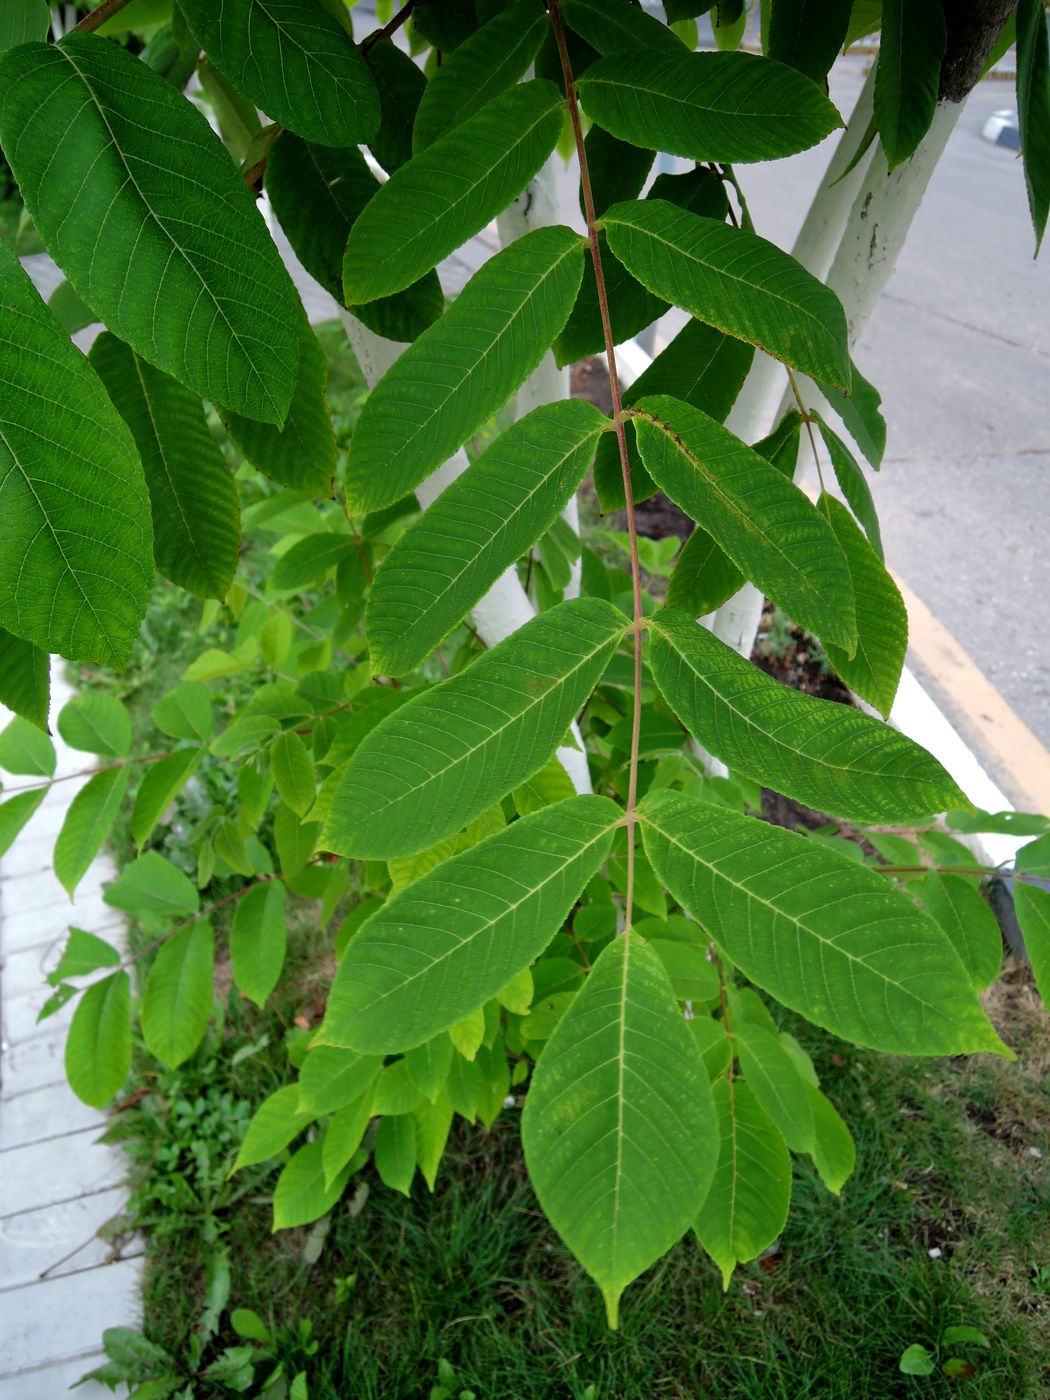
(395, 1152)
(87, 824)
(852, 483)
(448, 192)
(747, 1205)
(911, 46)
(1032, 904)
(332, 1078)
(294, 60)
(276, 1121)
(707, 106)
(619, 1129)
(613, 26)
(1033, 109)
(76, 567)
(702, 367)
(830, 939)
(257, 940)
(185, 713)
(464, 368)
(15, 813)
(301, 454)
(484, 65)
(400, 84)
(808, 34)
(704, 576)
(193, 499)
(736, 281)
(302, 1194)
(22, 21)
(110, 200)
(764, 523)
(162, 783)
(432, 1121)
(25, 749)
(967, 919)
(343, 1135)
(874, 670)
(428, 1065)
(445, 945)
(834, 1151)
(98, 1047)
(176, 1005)
(317, 194)
(447, 755)
(479, 525)
(774, 1079)
(96, 722)
(830, 756)
(25, 679)
(293, 772)
(617, 169)
(151, 885)
(631, 306)
(861, 413)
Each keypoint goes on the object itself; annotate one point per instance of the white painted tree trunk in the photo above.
(884, 203)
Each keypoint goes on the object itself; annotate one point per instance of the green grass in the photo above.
(475, 1275)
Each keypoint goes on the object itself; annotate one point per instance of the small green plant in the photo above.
(918, 1360)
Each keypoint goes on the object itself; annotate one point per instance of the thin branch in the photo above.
(621, 441)
(388, 30)
(87, 772)
(98, 17)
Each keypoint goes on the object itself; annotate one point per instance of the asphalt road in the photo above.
(959, 347)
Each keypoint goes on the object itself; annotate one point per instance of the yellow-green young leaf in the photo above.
(15, 813)
(851, 482)
(448, 192)
(257, 941)
(907, 76)
(774, 1080)
(95, 722)
(300, 454)
(24, 749)
(111, 200)
(450, 753)
(152, 885)
(830, 939)
(276, 1121)
(451, 555)
(702, 367)
(763, 522)
(301, 1194)
(1033, 108)
(185, 713)
(467, 1034)
(834, 1151)
(734, 280)
(830, 756)
(162, 783)
(395, 1152)
(428, 1065)
(444, 946)
(551, 784)
(76, 567)
(966, 917)
(177, 1001)
(193, 500)
(25, 679)
(98, 1048)
(317, 193)
(461, 370)
(343, 1136)
(408, 869)
(295, 60)
(433, 1121)
(293, 772)
(619, 1129)
(330, 1079)
(394, 1090)
(83, 953)
(747, 1206)
(517, 995)
(87, 824)
(400, 84)
(874, 670)
(707, 106)
(485, 65)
